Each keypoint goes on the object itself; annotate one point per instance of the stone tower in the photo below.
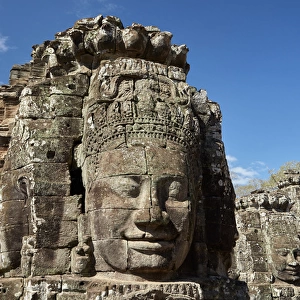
(113, 173)
(267, 253)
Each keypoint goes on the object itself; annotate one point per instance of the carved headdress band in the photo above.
(138, 104)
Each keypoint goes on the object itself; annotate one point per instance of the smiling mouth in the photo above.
(150, 246)
(294, 273)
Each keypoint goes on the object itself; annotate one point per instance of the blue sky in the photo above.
(245, 53)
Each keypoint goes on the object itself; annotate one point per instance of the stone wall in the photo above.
(267, 253)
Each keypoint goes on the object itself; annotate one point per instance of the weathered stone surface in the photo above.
(46, 287)
(71, 296)
(114, 179)
(50, 262)
(267, 252)
(67, 208)
(11, 288)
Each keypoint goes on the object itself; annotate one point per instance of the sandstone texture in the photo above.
(115, 185)
(267, 253)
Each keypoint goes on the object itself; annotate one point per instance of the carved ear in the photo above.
(23, 186)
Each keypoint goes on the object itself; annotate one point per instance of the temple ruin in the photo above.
(115, 184)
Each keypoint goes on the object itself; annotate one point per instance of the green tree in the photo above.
(269, 184)
(253, 185)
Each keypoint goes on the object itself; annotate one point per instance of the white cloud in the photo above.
(244, 172)
(108, 6)
(261, 164)
(3, 45)
(92, 8)
(231, 159)
(243, 175)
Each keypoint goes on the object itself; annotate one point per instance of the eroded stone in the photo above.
(114, 174)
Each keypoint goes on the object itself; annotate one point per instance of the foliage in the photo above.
(269, 184)
(243, 190)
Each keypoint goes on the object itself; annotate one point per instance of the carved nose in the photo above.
(158, 215)
(153, 212)
(292, 261)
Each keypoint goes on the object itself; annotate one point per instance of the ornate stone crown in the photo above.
(138, 103)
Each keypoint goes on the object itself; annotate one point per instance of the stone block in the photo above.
(227, 235)
(257, 248)
(75, 283)
(40, 179)
(63, 208)
(107, 223)
(262, 277)
(212, 215)
(11, 237)
(163, 161)
(71, 296)
(49, 107)
(254, 235)
(284, 292)
(13, 187)
(250, 219)
(83, 227)
(176, 73)
(14, 212)
(44, 287)
(138, 136)
(262, 291)
(45, 150)
(107, 143)
(104, 260)
(51, 179)
(112, 162)
(50, 262)
(75, 85)
(127, 192)
(213, 234)
(54, 128)
(9, 261)
(53, 232)
(11, 288)
(19, 74)
(260, 264)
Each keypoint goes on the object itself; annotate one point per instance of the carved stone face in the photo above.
(285, 259)
(140, 210)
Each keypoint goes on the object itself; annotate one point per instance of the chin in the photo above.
(150, 262)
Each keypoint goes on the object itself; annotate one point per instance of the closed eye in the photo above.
(128, 187)
(282, 252)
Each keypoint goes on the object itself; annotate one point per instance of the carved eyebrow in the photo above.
(282, 250)
(172, 177)
(131, 179)
(126, 185)
(123, 179)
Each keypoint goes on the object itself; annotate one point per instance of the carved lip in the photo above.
(292, 272)
(150, 246)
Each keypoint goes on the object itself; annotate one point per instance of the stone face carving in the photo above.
(267, 252)
(157, 212)
(114, 183)
(137, 137)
